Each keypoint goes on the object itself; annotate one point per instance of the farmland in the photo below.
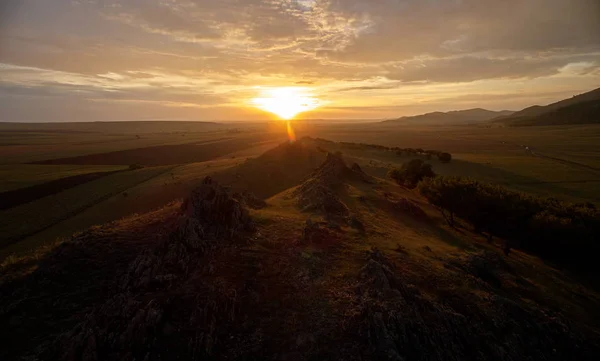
(68, 177)
(562, 161)
(57, 179)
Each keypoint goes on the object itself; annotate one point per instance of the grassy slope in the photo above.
(424, 251)
(308, 301)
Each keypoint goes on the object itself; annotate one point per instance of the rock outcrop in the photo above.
(128, 325)
(318, 193)
(400, 322)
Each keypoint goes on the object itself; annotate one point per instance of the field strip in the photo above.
(71, 213)
(21, 196)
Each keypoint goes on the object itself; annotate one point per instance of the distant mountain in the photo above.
(580, 109)
(453, 117)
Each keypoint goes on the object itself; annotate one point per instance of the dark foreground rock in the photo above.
(161, 293)
(400, 322)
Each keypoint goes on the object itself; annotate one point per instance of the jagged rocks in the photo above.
(487, 266)
(317, 233)
(250, 200)
(358, 173)
(401, 322)
(219, 214)
(356, 223)
(318, 193)
(127, 326)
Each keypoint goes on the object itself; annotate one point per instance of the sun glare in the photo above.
(286, 103)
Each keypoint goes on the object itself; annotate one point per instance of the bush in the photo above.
(445, 157)
(135, 166)
(411, 173)
(560, 231)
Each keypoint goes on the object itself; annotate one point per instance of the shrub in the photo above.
(411, 173)
(560, 231)
(135, 166)
(445, 157)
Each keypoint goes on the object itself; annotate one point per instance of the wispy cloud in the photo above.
(200, 53)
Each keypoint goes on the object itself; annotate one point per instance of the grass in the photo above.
(24, 220)
(172, 184)
(496, 155)
(16, 176)
(286, 287)
(26, 147)
(489, 154)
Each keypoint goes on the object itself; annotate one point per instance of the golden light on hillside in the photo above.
(286, 103)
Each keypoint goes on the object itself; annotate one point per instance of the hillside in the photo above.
(453, 117)
(338, 265)
(580, 109)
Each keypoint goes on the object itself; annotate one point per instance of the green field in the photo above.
(565, 163)
(16, 176)
(56, 213)
(24, 220)
(562, 162)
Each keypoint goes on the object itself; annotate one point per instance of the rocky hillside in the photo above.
(339, 266)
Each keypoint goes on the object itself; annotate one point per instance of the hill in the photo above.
(580, 109)
(340, 265)
(454, 117)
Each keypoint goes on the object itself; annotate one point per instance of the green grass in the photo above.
(27, 219)
(16, 176)
(489, 154)
(494, 155)
(166, 186)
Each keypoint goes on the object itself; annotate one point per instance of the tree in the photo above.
(411, 173)
(446, 193)
(560, 231)
(445, 157)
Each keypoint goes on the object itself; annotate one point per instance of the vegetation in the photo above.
(444, 157)
(411, 173)
(562, 232)
(135, 166)
(376, 285)
(27, 219)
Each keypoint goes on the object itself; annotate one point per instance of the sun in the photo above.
(286, 103)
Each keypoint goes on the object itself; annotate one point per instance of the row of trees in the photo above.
(563, 232)
(443, 157)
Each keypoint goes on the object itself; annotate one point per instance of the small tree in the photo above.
(445, 157)
(411, 173)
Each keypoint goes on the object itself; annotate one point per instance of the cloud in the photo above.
(178, 51)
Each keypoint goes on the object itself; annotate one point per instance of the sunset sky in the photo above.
(83, 60)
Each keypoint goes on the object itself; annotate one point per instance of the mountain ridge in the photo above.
(579, 109)
(474, 115)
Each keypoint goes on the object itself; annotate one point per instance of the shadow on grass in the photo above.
(452, 240)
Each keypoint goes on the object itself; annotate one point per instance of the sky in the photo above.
(90, 60)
